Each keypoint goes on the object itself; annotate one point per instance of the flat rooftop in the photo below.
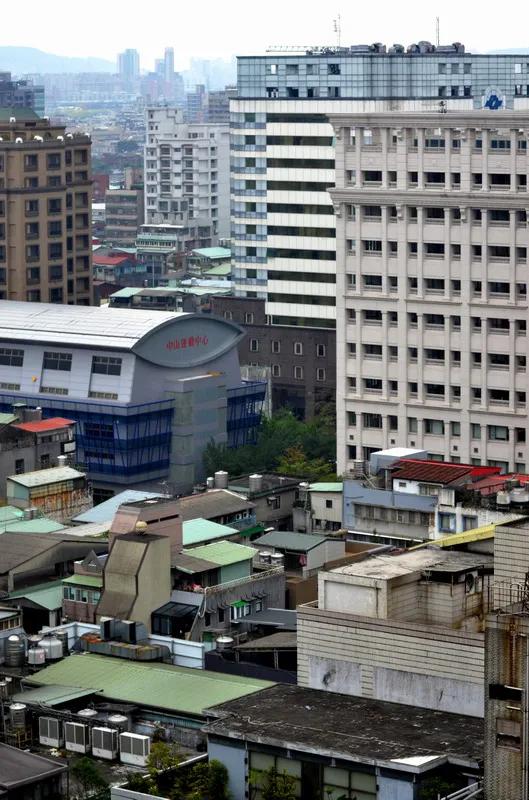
(354, 728)
(388, 566)
(18, 768)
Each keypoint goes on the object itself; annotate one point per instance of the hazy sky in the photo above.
(222, 28)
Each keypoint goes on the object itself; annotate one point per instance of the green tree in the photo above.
(208, 781)
(87, 777)
(162, 756)
(294, 461)
(273, 785)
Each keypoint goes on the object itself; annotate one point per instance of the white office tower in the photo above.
(283, 227)
(187, 172)
(432, 272)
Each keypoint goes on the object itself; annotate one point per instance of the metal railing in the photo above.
(255, 577)
(475, 790)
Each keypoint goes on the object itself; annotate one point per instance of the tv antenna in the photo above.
(337, 24)
(437, 31)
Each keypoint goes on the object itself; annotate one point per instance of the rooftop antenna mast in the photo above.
(437, 31)
(338, 28)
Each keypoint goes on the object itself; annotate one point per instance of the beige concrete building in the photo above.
(432, 246)
(45, 227)
(123, 216)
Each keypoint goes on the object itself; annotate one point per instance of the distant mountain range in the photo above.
(24, 60)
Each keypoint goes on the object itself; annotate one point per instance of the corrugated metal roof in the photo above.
(290, 540)
(429, 471)
(455, 539)
(44, 476)
(39, 426)
(212, 252)
(175, 689)
(84, 580)
(127, 291)
(92, 326)
(8, 513)
(7, 419)
(37, 525)
(46, 595)
(203, 530)
(326, 487)
(51, 695)
(220, 269)
(211, 504)
(104, 512)
(223, 553)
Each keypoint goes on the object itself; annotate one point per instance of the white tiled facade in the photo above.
(187, 172)
(432, 271)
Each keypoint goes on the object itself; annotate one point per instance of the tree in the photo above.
(88, 776)
(294, 462)
(208, 781)
(274, 785)
(162, 756)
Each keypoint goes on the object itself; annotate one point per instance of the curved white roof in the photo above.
(91, 326)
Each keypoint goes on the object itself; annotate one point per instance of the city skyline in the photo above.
(282, 25)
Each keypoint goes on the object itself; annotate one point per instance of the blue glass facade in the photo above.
(245, 406)
(122, 443)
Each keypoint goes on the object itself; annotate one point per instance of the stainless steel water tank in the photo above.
(15, 651)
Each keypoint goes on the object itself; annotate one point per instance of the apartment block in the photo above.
(283, 152)
(187, 172)
(124, 216)
(432, 244)
(45, 226)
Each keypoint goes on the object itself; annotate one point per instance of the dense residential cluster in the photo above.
(192, 271)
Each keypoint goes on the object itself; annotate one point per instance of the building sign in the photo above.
(493, 99)
(189, 340)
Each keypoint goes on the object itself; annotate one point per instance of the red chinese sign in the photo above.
(187, 341)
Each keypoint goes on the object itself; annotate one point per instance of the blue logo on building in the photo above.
(493, 100)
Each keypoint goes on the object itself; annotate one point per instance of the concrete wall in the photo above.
(414, 664)
(511, 553)
(233, 757)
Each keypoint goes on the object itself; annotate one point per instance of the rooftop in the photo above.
(326, 487)
(387, 566)
(211, 504)
(36, 525)
(96, 581)
(223, 553)
(104, 512)
(40, 426)
(175, 689)
(361, 493)
(18, 767)
(204, 530)
(20, 114)
(45, 595)
(336, 725)
(290, 540)
(42, 477)
(440, 472)
(270, 482)
(212, 252)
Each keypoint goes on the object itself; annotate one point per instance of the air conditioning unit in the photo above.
(105, 743)
(134, 749)
(76, 737)
(473, 582)
(50, 733)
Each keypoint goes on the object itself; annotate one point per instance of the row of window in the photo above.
(434, 214)
(438, 179)
(436, 427)
(439, 356)
(373, 316)
(498, 289)
(494, 252)
(103, 365)
(81, 595)
(297, 349)
(438, 392)
(298, 372)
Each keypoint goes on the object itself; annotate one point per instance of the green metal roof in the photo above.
(7, 419)
(212, 252)
(10, 513)
(85, 580)
(128, 291)
(37, 525)
(46, 595)
(326, 487)
(51, 695)
(196, 531)
(220, 269)
(223, 553)
(177, 689)
(20, 114)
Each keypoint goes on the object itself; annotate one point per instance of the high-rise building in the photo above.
(129, 64)
(169, 65)
(283, 153)
(20, 94)
(187, 173)
(432, 311)
(45, 195)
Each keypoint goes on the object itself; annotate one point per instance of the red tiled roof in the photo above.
(429, 471)
(108, 261)
(39, 426)
(495, 483)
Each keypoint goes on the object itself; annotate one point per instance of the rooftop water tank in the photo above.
(62, 636)
(224, 643)
(52, 647)
(503, 499)
(255, 483)
(210, 482)
(265, 557)
(36, 656)
(221, 479)
(277, 559)
(15, 651)
(17, 715)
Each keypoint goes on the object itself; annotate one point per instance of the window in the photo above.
(447, 522)
(298, 373)
(276, 346)
(372, 421)
(434, 426)
(228, 315)
(248, 318)
(498, 433)
(455, 428)
(333, 69)
(298, 348)
(320, 374)
(105, 365)
(254, 345)
(328, 504)
(58, 361)
(11, 358)
(321, 350)
(276, 370)
(19, 466)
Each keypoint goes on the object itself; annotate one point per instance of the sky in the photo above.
(223, 28)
